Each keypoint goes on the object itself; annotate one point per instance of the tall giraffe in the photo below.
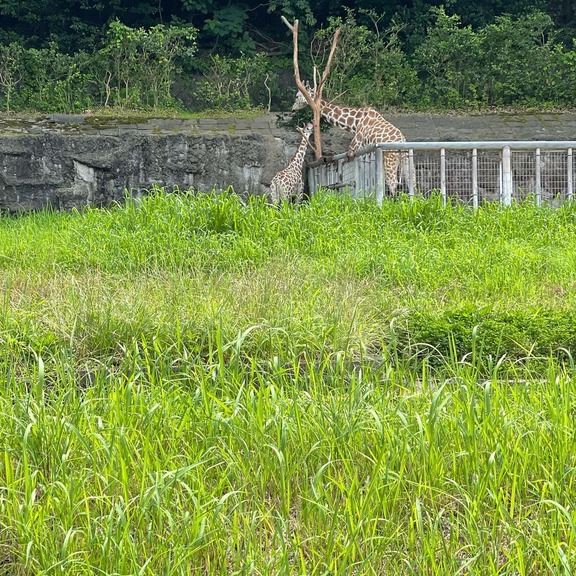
(368, 127)
(289, 181)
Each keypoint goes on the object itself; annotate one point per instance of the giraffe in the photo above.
(289, 182)
(368, 127)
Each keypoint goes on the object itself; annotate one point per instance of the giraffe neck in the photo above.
(300, 154)
(341, 116)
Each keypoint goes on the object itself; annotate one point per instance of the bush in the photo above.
(56, 82)
(137, 66)
(369, 66)
(10, 73)
(517, 58)
(236, 83)
(448, 64)
(484, 334)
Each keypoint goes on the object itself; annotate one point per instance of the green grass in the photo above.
(135, 115)
(193, 385)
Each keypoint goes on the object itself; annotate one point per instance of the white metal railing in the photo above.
(469, 171)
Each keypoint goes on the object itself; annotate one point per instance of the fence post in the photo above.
(356, 166)
(379, 175)
(538, 177)
(411, 174)
(506, 176)
(475, 178)
(443, 174)
(569, 168)
(311, 174)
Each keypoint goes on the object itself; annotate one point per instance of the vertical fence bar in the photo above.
(506, 176)
(361, 185)
(365, 175)
(500, 181)
(359, 177)
(569, 168)
(368, 170)
(443, 174)
(356, 167)
(411, 174)
(315, 181)
(379, 175)
(538, 177)
(475, 178)
(311, 181)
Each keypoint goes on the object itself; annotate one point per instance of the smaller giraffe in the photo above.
(368, 127)
(289, 181)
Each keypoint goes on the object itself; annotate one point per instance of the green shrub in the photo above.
(516, 60)
(236, 83)
(481, 334)
(138, 66)
(11, 57)
(57, 82)
(448, 64)
(369, 66)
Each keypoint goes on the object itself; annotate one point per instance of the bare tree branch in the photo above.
(300, 85)
(326, 72)
(315, 103)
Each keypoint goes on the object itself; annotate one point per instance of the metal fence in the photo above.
(468, 171)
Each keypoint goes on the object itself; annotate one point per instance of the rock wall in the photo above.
(70, 171)
(69, 161)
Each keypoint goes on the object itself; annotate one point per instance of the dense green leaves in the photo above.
(139, 65)
(421, 56)
(79, 24)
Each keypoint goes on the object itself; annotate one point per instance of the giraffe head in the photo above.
(307, 130)
(300, 101)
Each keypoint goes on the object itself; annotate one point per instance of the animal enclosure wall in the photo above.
(471, 172)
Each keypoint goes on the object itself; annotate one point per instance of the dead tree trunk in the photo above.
(315, 103)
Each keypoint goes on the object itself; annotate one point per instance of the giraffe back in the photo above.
(373, 128)
(368, 125)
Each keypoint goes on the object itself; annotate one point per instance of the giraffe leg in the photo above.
(355, 145)
(391, 162)
(407, 174)
(300, 194)
(274, 193)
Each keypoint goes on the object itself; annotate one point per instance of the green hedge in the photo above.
(478, 335)
(512, 61)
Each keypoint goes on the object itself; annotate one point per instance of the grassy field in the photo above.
(194, 385)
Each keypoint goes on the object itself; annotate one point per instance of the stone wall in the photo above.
(72, 161)
(70, 171)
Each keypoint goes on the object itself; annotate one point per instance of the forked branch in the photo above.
(315, 103)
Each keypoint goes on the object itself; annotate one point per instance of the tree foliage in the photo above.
(369, 65)
(68, 55)
(247, 25)
(138, 65)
